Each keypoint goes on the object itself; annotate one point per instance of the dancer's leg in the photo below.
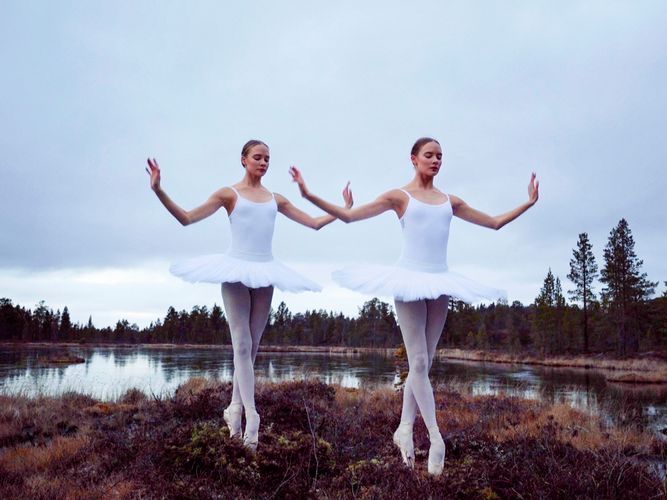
(412, 317)
(259, 315)
(436, 316)
(260, 306)
(237, 302)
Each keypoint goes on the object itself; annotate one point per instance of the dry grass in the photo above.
(637, 378)
(193, 388)
(653, 369)
(61, 358)
(574, 427)
(27, 459)
(315, 441)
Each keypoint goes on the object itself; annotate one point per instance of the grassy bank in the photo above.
(651, 370)
(315, 441)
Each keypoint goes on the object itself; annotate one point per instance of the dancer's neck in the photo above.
(421, 182)
(251, 181)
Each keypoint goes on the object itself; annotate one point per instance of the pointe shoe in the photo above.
(232, 416)
(251, 434)
(436, 453)
(403, 439)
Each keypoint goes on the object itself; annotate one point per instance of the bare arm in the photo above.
(382, 203)
(222, 197)
(470, 214)
(286, 208)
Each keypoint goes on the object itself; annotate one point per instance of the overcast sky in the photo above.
(576, 91)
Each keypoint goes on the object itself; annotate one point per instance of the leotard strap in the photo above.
(273, 196)
(410, 196)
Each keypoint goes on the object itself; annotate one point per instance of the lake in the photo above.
(110, 371)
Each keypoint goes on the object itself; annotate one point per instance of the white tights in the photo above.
(247, 313)
(421, 324)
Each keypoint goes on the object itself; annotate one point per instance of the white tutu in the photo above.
(222, 268)
(409, 285)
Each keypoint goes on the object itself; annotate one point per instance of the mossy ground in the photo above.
(316, 441)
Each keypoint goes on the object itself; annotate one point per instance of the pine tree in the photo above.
(557, 336)
(65, 324)
(545, 317)
(170, 326)
(219, 328)
(626, 287)
(583, 271)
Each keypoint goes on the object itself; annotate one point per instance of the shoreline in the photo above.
(635, 370)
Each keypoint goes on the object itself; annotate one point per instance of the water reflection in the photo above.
(110, 371)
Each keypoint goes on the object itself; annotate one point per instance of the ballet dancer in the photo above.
(420, 282)
(247, 271)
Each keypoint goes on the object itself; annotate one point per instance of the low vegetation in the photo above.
(317, 441)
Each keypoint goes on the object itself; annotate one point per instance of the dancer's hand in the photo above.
(154, 173)
(533, 189)
(347, 196)
(296, 177)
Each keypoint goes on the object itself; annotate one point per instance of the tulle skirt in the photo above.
(222, 268)
(409, 285)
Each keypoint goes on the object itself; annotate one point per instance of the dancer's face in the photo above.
(429, 159)
(256, 162)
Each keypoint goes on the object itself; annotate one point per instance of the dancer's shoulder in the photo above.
(455, 200)
(226, 193)
(394, 195)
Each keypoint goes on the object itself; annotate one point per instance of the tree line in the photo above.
(622, 317)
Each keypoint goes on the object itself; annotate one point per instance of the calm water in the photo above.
(109, 371)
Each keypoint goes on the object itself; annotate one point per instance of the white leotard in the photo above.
(252, 224)
(425, 235)
(249, 259)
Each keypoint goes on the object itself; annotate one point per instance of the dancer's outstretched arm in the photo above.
(286, 208)
(221, 198)
(467, 213)
(387, 201)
